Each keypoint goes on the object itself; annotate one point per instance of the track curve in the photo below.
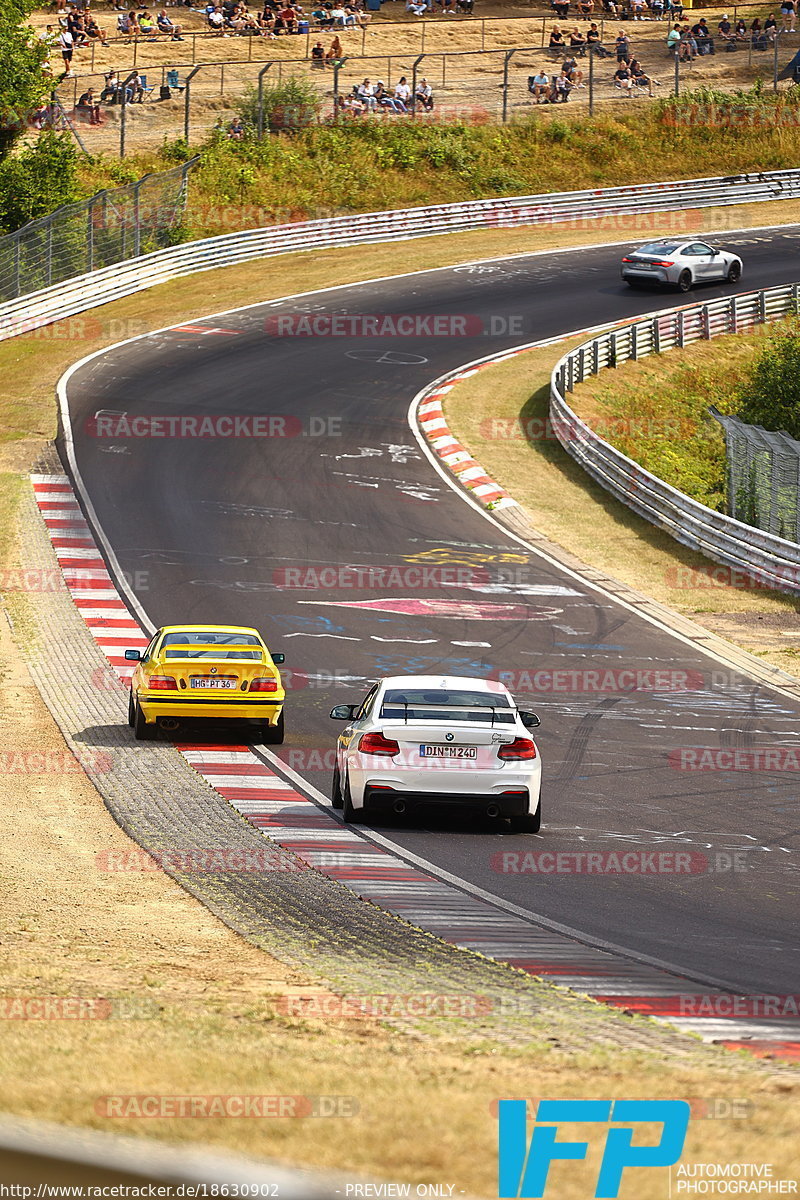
(226, 530)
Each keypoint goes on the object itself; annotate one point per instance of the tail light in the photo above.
(266, 684)
(376, 743)
(665, 263)
(519, 748)
(162, 683)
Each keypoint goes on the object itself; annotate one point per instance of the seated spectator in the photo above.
(236, 130)
(561, 8)
(557, 42)
(702, 35)
(88, 108)
(386, 101)
(725, 29)
(336, 53)
(75, 27)
(623, 78)
(402, 93)
(758, 36)
(638, 9)
(569, 67)
(674, 39)
(559, 93)
(586, 7)
(134, 88)
(168, 27)
(318, 56)
(424, 95)
(417, 8)
(349, 106)
(539, 86)
(577, 42)
(465, 6)
(657, 9)
(771, 27)
(595, 44)
(94, 32)
(640, 79)
(216, 20)
(740, 30)
(147, 25)
(366, 94)
(112, 87)
(338, 15)
(610, 7)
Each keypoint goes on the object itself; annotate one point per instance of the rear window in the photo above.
(659, 248)
(216, 643)
(415, 704)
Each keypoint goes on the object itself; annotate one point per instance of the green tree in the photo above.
(22, 79)
(36, 179)
(770, 394)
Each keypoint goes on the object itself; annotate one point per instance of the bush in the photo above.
(37, 180)
(288, 106)
(770, 394)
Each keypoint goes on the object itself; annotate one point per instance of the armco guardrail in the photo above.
(88, 291)
(771, 560)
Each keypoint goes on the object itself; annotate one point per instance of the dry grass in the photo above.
(69, 929)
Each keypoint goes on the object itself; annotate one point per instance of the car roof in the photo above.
(446, 683)
(209, 627)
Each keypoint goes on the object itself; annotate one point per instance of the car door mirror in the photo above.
(529, 720)
(278, 659)
(343, 712)
(133, 655)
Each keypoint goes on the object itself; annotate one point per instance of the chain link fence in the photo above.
(763, 477)
(109, 228)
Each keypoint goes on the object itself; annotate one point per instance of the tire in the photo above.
(351, 815)
(337, 800)
(272, 735)
(141, 730)
(530, 823)
(131, 710)
(734, 273)
(685, 281)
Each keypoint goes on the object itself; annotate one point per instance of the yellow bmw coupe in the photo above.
(209, 672)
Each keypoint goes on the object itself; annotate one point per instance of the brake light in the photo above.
(162, 683)
(376, 743)
(665, 263)
(629, 260)
(264, 685)
(519, 748)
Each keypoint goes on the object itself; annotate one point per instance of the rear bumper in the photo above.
(660, 275)
(379, 798)
(232, 708)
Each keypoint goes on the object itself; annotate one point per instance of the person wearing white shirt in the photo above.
(402, 93)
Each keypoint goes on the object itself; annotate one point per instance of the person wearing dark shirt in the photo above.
(701, 34)
(89, 108)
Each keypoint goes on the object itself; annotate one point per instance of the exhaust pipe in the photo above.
(399, 806)
(493, 810)
(168, 723)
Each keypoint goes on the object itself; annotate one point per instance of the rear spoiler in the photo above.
(445, 709)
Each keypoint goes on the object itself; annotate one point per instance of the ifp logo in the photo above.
(523, 1168)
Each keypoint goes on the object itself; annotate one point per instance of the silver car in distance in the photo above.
(680, 264)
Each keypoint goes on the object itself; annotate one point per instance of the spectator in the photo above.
(338, 15)
(577, 42)
(417, 7)
(366, 94)
(569, 67)
(94, 32)
(318, 56)
(702, 35)
(112, 88)
(623, 78)
(622, 46)
(539, 86)
(740, 30)
(236, 130)
(66, 47)
(167, 26)
(216, 20)
(336, 53)
(385, 101)
(557, 42)
(561, 8)
(788, 16)
(593, 41)
(757, 35)
(725, 29)
(402, 93)
(657, 8)
(638, 8)
(674, 39)
(586, 7)
(771, 27)
(640, 79)
(75, 27)
(88, 108)
(466, 6)
(134, 88)
(610, 7)
(424, 95)
(561, 89)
